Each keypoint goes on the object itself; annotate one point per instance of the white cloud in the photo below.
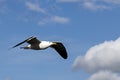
(35, 7)
(104, 75)
(104, 56)
(59, 19)
(50, 18)
(54, 19)
(112, 1)
(68, 0)
(2, 0)
(8, 78)
(3, 8)
(94, 4)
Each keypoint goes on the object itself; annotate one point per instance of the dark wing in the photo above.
(59, 47)
(33, 41)
(30, 40)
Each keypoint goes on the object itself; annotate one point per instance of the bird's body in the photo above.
(36, 44)
(45, 44)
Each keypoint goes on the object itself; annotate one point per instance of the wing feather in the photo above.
(59, 47)
(31, 40)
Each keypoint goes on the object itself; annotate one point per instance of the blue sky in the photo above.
(89, 30)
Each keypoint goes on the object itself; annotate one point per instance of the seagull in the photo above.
(36, 44)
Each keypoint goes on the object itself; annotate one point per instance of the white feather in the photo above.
(45, 44)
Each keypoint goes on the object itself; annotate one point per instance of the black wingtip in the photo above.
(23, 42)
(59, 47)
(65, 57)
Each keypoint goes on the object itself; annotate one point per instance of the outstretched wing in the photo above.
(33, 40)
(59, 47)
(30, 40)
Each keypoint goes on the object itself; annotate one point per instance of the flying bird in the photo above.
(36, 44)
